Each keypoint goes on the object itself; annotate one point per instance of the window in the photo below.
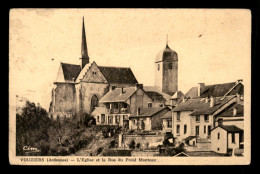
(150, 105)
(116, 106)
(169, 123)
(206, 118)
(97, 118)
(209, 129)
(94, 73)
(117, 118)
(178, 116)
(205, 130)
(185, 129)
(138, 111)
(218, 136)
(197, 130)
(158, 67)
(102, 118)
(218, 149)
(178, 129)
(124, 105)
(197, 118)
(161, 105)
(233, 137)
(170, 65)
(110, 119)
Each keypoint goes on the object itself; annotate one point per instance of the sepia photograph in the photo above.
(129, 86)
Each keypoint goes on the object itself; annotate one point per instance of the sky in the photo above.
(213, 46)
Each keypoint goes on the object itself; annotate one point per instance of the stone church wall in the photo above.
(87, 91)
(63, 100)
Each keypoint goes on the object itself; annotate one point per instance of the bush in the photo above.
(99, 150)
(44, 147)
(72, 150)
(132, 144)
(112, 144)
(166, 142)
(110, 152)
(138, 145)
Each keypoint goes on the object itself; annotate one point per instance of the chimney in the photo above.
(200, 86)
(122, 90)
(234, 111)
(239, 80)
(112, 88)
(220, 122)
(138, 85)
(212, 101)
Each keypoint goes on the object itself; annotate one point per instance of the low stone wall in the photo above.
(203, 147)
(145, 141)
(145, 153)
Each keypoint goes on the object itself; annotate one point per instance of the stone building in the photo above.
(166, 71)
(78, 88)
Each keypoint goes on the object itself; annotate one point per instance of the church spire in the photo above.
(84, 48)
(167, 46)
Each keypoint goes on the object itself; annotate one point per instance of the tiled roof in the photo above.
(116, 95)
(148, 112)
(167, 97)
(216, 90)
(98, 110)
(228, 112)
(229, 128)
(70, 71)
(118, 75)
(156, 96)
(177, 95)
(199, 106)
(167, 115)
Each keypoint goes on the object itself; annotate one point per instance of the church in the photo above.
(79, 89)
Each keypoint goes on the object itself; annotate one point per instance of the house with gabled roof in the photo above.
(216, 90)
(121, 103)
(148, 119)
(232, 115)
(226, 138)
(196, 117)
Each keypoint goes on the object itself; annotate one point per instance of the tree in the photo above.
(132, 144)
(31, 127)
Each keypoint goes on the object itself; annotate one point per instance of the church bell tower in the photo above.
(166, 70)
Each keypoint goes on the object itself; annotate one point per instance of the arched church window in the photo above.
(158, 67)
(94, 102)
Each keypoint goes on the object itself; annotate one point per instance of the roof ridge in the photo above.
(114, 67)
(68, 63)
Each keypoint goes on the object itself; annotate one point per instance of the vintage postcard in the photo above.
(130, 87)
